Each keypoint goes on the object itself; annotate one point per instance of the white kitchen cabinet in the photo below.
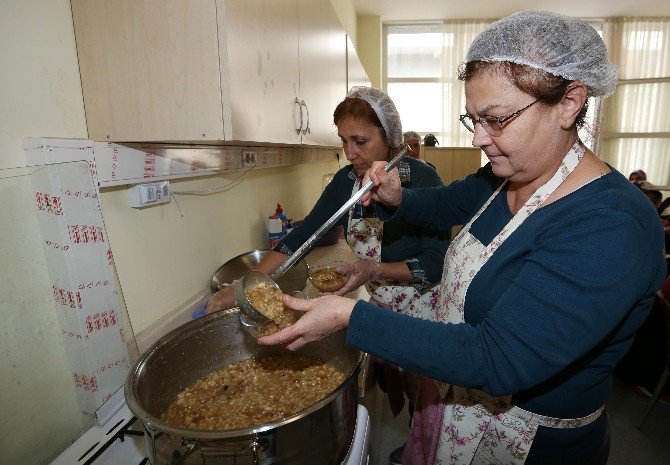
(149, 69)
(260, 69)
(323, 68)
(210, 70)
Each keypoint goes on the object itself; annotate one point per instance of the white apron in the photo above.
(477, 428)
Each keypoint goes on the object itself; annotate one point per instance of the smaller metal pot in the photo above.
(294, 279)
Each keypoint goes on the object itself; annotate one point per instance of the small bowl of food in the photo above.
(325, 277)
(267, 300)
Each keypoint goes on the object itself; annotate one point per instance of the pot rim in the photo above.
(153, 422)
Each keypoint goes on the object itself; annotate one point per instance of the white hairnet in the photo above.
(554, 43)
(385, 109)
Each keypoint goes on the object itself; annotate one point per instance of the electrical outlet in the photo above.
(144, 195)
(248, 158)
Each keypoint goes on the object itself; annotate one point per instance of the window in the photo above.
(421, 67)
(636, 124)
(629, 130)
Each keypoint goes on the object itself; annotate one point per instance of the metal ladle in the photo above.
(254, 278)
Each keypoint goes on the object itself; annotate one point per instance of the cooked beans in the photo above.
(267, 300)
(328, 280)
(253, 392)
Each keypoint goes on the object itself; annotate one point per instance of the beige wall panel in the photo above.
(441, 159)
(465, 162)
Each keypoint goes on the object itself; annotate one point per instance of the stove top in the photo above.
(121, 442)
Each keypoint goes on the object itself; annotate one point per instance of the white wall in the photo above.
(162, 259)
(41, 95)
(347, 15)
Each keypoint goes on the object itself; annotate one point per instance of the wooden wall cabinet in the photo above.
(452, 164)
(210, 70)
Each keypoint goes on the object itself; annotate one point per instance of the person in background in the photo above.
(536, 305)
(413, 140)
(430, 141)
(662, 207)
(637, 175)
(651, 191)
(399, 264)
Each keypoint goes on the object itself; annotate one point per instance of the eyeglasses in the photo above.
(492, 125)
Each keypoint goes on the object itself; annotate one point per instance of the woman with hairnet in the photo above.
(399, 263)
(542, 290)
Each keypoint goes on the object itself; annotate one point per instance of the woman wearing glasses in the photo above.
(543, 289)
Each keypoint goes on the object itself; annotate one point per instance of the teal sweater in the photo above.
(549, 315)
(421, 248)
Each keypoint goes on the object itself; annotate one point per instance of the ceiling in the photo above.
(402, 10)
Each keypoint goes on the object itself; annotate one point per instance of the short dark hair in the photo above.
(360, 110)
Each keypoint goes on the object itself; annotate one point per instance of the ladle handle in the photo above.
(309, 243)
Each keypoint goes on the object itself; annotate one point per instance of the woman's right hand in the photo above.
(323, 316)
(386, 186)
(223, 299)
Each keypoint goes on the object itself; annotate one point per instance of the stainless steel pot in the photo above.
(321, 434)
(294, 279)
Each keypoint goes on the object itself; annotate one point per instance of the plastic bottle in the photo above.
(282, 216)
(275, 231)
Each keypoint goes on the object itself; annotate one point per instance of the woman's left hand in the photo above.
(323, 316)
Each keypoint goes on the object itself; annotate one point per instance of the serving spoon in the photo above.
(255, 278)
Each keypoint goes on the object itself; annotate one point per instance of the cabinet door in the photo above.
(259, 69)
(465, 162)
(322, 68)
(356, 75)
(442, 159)
(149, 69)
(453, 163)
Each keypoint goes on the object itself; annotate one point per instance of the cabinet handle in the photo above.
(298, 127)
(307, 130)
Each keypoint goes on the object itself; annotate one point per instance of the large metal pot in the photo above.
(321, 434)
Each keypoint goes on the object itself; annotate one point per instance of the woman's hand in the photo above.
(386, 186)
(359, 273)
(323, 317)
(223, 299)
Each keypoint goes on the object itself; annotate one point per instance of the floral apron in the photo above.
(469, 426)
(364, 236)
